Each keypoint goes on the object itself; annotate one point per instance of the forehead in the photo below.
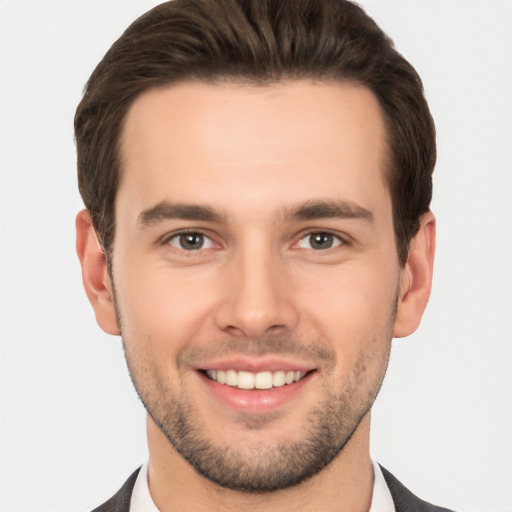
(195, 142)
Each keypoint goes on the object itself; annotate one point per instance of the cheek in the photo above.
(355, 317)
(161, 311)
(350, 307)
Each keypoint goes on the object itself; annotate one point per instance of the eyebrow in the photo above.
(165, 211)
(311, 210)
(338, 209)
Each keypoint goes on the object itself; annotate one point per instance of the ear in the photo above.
(97, 284)
(416, 278)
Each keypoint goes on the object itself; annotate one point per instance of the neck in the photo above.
(345, 484)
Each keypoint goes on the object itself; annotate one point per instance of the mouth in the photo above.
(257, 387)
(248, 380)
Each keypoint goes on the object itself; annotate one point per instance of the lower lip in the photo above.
(256, 400)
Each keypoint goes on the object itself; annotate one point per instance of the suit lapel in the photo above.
(120, 502)
(405, 500)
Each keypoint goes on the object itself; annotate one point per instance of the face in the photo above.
(255, 272)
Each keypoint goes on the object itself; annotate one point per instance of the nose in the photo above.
(258, 297)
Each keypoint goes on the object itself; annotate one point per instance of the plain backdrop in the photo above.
(72, 428)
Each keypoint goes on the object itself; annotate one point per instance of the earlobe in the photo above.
(96, 279)
(416, 278)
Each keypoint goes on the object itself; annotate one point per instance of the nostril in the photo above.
(254, 318)
(234, 330)
(276, 327)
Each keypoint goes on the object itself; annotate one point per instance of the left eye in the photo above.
(319, 241)
(190, 241)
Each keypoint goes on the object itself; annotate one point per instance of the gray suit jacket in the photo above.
(405, 500)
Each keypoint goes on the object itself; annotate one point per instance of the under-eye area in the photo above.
(260, 380)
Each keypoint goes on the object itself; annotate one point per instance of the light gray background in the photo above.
(72, 428)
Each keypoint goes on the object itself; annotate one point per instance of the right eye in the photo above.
(320, 241)
(191, 241)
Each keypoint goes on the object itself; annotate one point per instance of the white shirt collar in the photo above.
(141, 499)
(382, 501)
(142, 502)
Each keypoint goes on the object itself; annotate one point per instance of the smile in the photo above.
(260, 380)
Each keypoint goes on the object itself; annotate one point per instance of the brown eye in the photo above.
(319, 241)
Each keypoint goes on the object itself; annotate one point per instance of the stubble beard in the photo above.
(262, 466)
(258, 466)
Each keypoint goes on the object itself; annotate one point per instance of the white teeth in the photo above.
(263, 380)
(231, 378)
(221, 377)
(245, 380)
(249, 380)
(278, 379)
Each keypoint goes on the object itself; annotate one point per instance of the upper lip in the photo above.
(269, 364)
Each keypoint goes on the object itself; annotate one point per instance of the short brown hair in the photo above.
(261, 42)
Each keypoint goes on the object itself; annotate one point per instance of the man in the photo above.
(257, 181)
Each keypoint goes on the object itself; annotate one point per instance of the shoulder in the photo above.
(120, 502)
(405, 500)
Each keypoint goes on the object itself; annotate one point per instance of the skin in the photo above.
(258, 293)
